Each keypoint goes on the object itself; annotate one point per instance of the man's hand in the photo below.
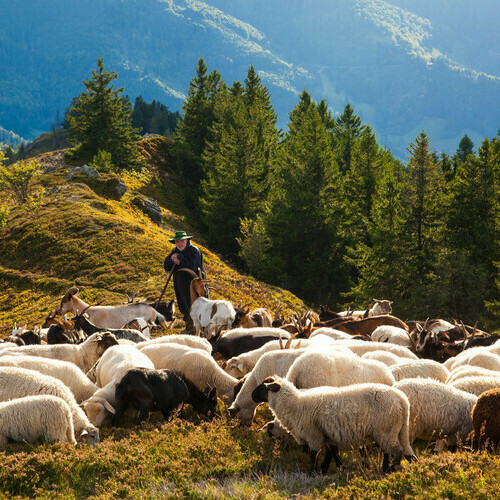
(175, 259)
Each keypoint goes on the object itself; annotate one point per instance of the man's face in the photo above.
(181, 244)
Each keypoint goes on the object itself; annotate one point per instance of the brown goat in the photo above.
(251, 319)
(366, 326)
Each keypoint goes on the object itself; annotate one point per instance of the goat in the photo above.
(378, 308)
(107, 316)
(366, 326)
(209, 315)
(82, 323)
(251, 319)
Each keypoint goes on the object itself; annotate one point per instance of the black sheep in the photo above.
(147, 389)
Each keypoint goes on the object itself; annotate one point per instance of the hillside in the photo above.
(404, 65)
(81, 236)
(85, 235)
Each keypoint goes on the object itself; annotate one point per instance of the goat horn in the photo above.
(281, 341)
(289, 341)
(276, 313)
(190, 272)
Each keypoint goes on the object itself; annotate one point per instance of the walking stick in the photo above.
(165, 287)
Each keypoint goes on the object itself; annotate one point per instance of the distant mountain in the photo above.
(405, 65)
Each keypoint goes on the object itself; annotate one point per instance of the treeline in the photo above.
(326, 212)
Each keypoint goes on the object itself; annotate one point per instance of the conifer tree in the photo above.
(347, 129)
(100, 119)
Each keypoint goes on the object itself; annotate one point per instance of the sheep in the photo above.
(32, 418)
(470, 371)
(108, 316)
(245, 318)
(331, 368)
(83, 323)
(67, 372)
(330, 332)
(271, 363)
(437, 410)
(476, 385)
(486, 420)
(113, 365)
(483, 359)
(388, 358)
(392, 334)
(423, 368)
(360, 348)
(19, 382)
(208, 315)
(334, 417)
(144, 387)
(240, 340)
(83, 355)
(195, 365)
(187, 340)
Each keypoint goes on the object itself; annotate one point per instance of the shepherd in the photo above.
(184, 256)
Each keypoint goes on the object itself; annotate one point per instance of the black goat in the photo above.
(57, 335)
(147, 389)
(82, 323)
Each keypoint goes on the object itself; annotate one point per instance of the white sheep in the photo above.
(437, 410)
(271, 363)
(340, 417)
(476, 385)
(470, 371)
(422, 368)
(386, 357)
(83, 355)
(67, 372)
(196, 365)
(188, 340)
(450, 362)
(483, 359)
(110, 369)
(330, 332)
(392, 334)
(360, 347)
(19, 382)
(336, 369)
(36, 417)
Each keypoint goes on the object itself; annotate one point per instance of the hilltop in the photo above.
(85, 235)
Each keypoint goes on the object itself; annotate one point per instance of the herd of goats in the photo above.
(333, 380)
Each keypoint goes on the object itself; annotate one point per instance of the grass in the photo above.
(107, 247)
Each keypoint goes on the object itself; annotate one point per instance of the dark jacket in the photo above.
(191, 258)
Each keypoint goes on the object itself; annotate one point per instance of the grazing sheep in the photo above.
(19, 382)
(392, 334)
(483, 359)
(336, 369)
(334, 417)
(470, 371)
(67, 372)
(187, 340)
(110, 369)
(330, 332)
(83, 355)
(145, 387)
(388, 358)
(422, 368)
(476, 385)
(360, 348)
(32, 418)
(194, 364)
(271, 363)
(437, 410)
(486, 420)
(450, 362)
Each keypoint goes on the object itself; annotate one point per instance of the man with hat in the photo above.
(184, 256)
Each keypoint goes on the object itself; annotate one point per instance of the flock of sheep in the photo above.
(332, 381)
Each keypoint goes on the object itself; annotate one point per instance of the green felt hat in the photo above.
(180, 235)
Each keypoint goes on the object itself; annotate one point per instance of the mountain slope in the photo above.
(81, 236)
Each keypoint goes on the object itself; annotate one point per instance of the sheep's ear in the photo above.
(273, 386)
(108, 407)
(240, 366)
(213, 394)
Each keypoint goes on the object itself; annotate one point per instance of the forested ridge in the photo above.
(323, 210)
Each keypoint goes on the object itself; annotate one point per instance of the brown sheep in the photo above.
(486, 420)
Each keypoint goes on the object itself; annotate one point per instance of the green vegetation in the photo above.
(100, 119)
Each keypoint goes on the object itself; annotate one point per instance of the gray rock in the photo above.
(120, 188)
(90, 172)
(150, 207)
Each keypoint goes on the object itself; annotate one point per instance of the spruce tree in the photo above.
(100, 119)
(348, 128)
